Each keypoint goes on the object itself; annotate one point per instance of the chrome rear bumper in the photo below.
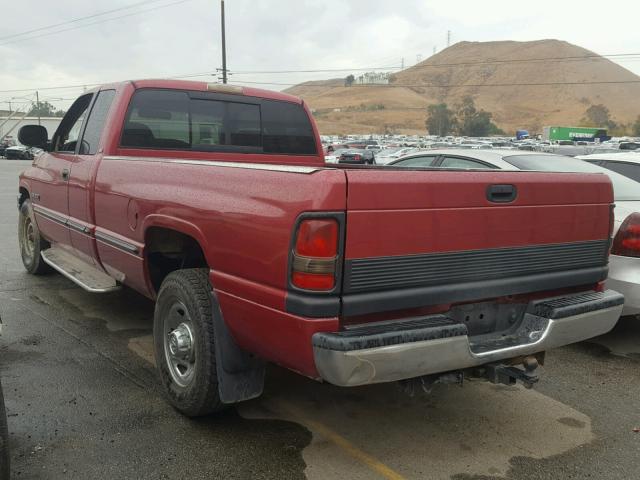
(441, 345)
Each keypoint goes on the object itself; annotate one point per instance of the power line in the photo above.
(54, 88)
(440, 65)
(426, 85)
(79, 19)
(321, 83)
(328, 70)
(93, 23)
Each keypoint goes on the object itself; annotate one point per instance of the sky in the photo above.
(171, 38)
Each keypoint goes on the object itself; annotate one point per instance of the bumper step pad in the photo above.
(383, 334)
(563, 307)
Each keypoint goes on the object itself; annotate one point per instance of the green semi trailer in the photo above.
(589, 134)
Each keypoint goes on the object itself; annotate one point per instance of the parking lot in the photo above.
(83, 402)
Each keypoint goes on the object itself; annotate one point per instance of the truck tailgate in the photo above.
(425, 237)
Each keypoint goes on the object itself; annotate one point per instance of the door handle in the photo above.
(65, 174)
(502, 193)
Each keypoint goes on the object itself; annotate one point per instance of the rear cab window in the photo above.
(213, 122)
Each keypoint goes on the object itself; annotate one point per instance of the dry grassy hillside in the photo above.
(469, 63)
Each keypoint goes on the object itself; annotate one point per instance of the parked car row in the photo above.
(360, 156)
(18, 152)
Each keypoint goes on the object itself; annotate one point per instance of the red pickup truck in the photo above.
(215, 201)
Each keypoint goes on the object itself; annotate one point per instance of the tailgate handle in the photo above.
(502, 193)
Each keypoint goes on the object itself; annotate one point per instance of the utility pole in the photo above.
(418, 58)
(9, 106)
(38, 106)
(448, 38)
(434, 49)
(224, 45)
(402, 64)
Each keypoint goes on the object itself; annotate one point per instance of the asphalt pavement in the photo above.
(83, 402)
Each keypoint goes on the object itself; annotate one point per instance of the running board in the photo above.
(85, 275)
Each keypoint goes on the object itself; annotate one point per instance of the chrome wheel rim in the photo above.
(179, 344)
(28, 238)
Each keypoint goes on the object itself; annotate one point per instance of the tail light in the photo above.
(627, 241)
(357, 157)
(315, 254)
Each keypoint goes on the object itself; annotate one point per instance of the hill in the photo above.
(469, 68)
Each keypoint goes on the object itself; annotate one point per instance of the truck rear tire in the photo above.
(183, 332)
(30, 241)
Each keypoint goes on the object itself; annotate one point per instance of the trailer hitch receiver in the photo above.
(510, 375)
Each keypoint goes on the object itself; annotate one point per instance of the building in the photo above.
(373, 78)
(12, 125)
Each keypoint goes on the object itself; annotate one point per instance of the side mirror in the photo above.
(33, 136)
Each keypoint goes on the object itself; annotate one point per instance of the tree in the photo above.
(440, 120)
(473, 122)
(349, 80)
(635, 130)
(598, 116)
(45, 109)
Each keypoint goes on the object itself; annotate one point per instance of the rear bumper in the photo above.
(436, 344)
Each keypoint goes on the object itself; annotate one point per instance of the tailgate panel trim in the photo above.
(437, 269)
(370, 302)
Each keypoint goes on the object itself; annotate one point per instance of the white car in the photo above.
(624, 261)
(625, 163)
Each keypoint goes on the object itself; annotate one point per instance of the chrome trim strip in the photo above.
(78, 227)
(213, 163)
(67, 222)
(54, 217)
(117, 243)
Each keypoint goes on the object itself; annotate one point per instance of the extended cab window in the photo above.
(95, 123)
(286, 129)
(157, 119)
(172, 119)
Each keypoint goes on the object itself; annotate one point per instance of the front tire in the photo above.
(183, 332)
(30, 241)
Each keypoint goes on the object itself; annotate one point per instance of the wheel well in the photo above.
(169, 250)
(24, 194)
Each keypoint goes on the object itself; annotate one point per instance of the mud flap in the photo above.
(240, 374)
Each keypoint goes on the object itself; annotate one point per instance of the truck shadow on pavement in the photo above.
(301, 427)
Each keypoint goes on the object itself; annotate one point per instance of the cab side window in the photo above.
(66, 137)
(95, 123)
